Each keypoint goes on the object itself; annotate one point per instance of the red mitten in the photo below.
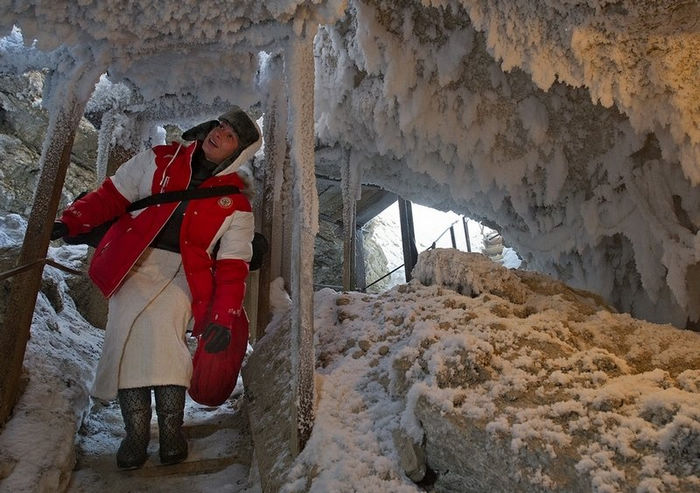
(214, 375)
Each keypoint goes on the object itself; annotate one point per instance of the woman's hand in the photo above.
(59, 230)
(217, 338)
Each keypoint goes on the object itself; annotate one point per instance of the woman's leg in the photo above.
(135, 406)
(170, 407)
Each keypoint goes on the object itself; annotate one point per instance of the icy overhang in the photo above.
(176, 57)
(574, 126)
(139, 27)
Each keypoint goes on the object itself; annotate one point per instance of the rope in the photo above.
(42, 261)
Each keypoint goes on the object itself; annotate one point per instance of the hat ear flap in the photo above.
(199, 132)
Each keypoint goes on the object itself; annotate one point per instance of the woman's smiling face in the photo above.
(220, 143)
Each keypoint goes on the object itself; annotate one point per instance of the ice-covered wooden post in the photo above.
(408, 237)
(350, 186)
(104, 143)
(299, 69)
(273, 210)
(67, 106)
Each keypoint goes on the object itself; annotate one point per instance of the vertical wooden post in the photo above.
(408, 237)
(349, 253)
(55, 157)
(466, 234)
(272, 210)
(452, 236)
(104, 143)
(349, 223)
(299, 69)
(360, 276)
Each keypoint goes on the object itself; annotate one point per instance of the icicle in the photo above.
(104, 143)
(276, 122)
(350, 173)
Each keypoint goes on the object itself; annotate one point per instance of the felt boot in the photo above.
(135, 406)
(170, 407)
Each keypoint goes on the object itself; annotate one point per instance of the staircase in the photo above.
(220, 453)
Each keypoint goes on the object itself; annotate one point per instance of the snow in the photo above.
(568, 182)
(381, 355)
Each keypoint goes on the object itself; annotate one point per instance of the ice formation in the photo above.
(574, 127)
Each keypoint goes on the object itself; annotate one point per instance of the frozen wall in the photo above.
(600, 195)
(573, 127)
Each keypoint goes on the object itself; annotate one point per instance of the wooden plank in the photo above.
(408, 237)
(186, 468)
(271, 214)
(360, 275)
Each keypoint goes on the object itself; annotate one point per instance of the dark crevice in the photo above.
(428, 480)
(682, 215)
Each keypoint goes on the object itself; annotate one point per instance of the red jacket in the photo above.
(217, 284)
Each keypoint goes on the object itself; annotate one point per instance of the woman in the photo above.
(163, 266)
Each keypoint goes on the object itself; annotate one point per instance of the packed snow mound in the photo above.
(520, 383)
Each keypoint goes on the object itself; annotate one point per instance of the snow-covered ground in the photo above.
(563, 391)
(55, 417)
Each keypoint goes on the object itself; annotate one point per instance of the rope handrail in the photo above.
(432, 245)
(384, 276)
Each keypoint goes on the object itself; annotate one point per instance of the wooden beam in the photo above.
(55, 157)
(408, 237)
(360, 275)
(466, 233)
(299, 68)
(272, 210)
(348, 189)
(375, 204)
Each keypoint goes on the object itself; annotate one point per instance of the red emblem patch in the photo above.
(225, 202)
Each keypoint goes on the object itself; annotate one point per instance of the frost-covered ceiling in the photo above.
(574, 126)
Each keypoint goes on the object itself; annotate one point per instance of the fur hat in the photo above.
(239, 120)
(244, 127)
(199, 132)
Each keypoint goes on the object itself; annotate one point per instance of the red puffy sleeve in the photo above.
(99, 206)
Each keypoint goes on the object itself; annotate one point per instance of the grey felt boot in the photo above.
(135, 405)
(170, 407)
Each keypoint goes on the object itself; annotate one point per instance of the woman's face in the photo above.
(220, 143)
